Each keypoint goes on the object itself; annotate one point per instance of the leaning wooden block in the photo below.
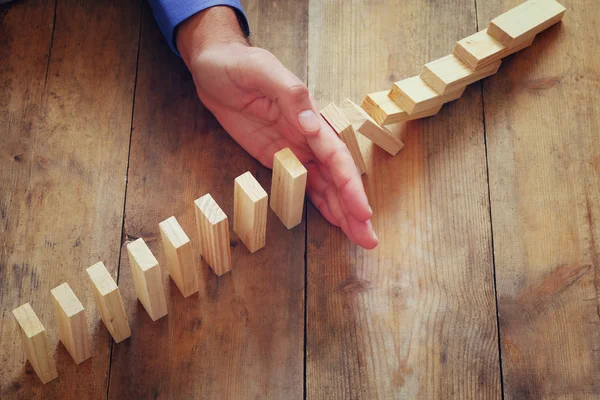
(180, 259)
(147, 279)
(414, 95)
(449, 73)
(109, 302)
(213, 231)
(342, 126)
(35, 343)
(385, 112)
(288, 187)
(522, 23)
(72, 325)
(250, 203)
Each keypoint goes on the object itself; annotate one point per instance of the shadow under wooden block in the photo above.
(342, 126)
(414, 95)
(250, 203)
(449, 74)
(288, 188)
(213, 232)
(180, 259)
(385, 112)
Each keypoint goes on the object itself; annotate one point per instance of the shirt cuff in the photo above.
(170, 13)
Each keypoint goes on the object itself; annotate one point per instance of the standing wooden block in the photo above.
(522, 23)
(342, 126)
(109, 302)
(147, 279)
(213, 231)
(449, 74)
(250, 203)
(414, 95)
(35, 343)
(385, 112)
(72, 325)
(180, 259)
(288, 188)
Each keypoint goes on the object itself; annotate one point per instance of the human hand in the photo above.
(266, 108)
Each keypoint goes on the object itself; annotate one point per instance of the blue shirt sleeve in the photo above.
(170, 13)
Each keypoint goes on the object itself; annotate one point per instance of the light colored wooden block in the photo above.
(213, 231)
(449, 73)
(109, 302)
(414, 95)
(480, 50)
(342, 126)
(522, 23)
(385, 112)
(72, 325)
(250, 203)
(363, 123)
(180, 258)
(288, 187)
(35, 343)
(147, 279)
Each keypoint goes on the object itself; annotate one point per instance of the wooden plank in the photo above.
(414, 95)
(545, 196)
(250, 204)
(385, 112)
(180, 259)
(288, 188)
(71, 322)
(343, 127)
(35, 343)
(449, 73)
(414, 318)
(520, 24)
(147, 277)
(213, 231)
(109, 302)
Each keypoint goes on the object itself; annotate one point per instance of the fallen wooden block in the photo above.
(35, 343)
(448, 74)
(480, 50)
(288, 187)
(180, 259)
(213, 232)
(343, 127)
(414, 95)
(109, 302)
(385, 112)
(520, 24)
(147, 279)
(250, 203)
(72, 325)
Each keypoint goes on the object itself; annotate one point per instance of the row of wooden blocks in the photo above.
(475, 57)
(249, 223)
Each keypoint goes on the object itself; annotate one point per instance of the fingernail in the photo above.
(375, 236)
(309, 121)
(371, 210)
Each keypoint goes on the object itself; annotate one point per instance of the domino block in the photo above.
(449, 74)
(363, 123)
(522, 23)
(147, 279)
(342, 126)
(180, 259)
(35, 343)
(109, 302)
(213, 231)
(250, 203)
(288, 188)
(385, 112)
(414, 95)
(72, 325)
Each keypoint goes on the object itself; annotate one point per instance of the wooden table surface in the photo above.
(486, 282)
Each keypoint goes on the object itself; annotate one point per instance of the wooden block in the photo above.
(449, 73)
(363, 123)
(250, 203)
(522, 23)
(109, 302)
(342, 126)
(72, 325)
(180, 259)
(35, 343)
(213, 231)
(480, 50)
(414, 95)
(288, 187)
(385, 112)
(147, 279)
